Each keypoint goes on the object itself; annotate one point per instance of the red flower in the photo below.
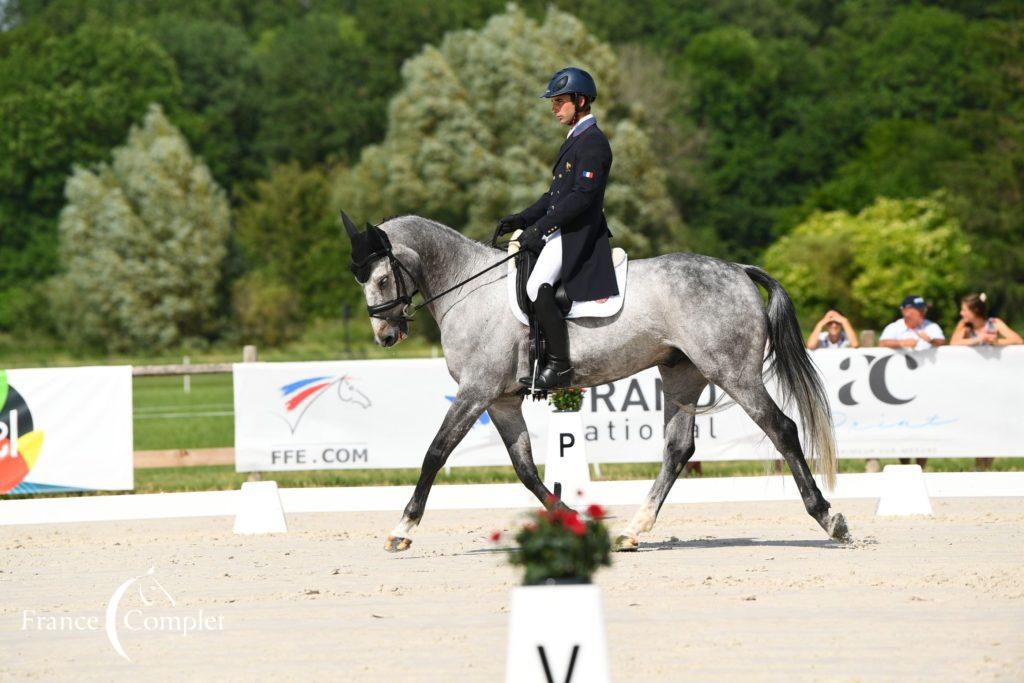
(551, 500)
(572, 523)
(495, 536)
(595, 511)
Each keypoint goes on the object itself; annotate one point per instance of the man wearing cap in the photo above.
(566, 227)
(913, 330)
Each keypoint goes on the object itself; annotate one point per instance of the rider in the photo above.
(566, 226)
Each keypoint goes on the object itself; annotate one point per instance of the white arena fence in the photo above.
(71, 428)
(945, 402)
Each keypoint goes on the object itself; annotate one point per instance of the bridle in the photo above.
(373, 245)
(403, 298)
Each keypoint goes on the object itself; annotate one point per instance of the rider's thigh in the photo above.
(548, 268)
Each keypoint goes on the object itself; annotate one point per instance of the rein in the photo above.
(409, 310)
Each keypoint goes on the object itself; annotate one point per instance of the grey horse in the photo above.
(699, 319)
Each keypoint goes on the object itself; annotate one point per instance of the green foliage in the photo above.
(567, 399)
(142, 240)
(266, 309)
(314, 99)
(864, 264)
(65, 101)
(469, 141)
(217, 109)
(288, 230)
(557, 544)
(901, 159)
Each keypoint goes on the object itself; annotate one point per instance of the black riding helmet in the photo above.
(572, 80)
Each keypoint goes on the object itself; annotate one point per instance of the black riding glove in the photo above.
(532, 239)
(511, 224)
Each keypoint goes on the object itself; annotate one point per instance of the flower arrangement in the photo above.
(557, 545)
(569, 399)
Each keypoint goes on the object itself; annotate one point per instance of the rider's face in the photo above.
(561, 107)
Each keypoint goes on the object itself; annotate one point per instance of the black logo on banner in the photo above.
(876, 379)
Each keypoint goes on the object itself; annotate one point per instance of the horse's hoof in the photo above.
(838, 530)
(396, 544)
(625, 544)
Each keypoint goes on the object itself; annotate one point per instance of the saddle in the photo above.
(519, 301)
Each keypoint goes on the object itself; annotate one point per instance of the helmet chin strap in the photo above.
(578, 113)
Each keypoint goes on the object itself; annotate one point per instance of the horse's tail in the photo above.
(798, 377)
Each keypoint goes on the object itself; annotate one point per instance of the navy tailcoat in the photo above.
(575, 205)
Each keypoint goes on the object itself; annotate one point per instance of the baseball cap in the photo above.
(915, 301)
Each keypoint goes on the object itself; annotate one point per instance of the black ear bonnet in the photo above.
(367, 247)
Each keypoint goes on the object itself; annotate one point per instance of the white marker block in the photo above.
(565, 467)
(903, 492)
(259, 509)
(556, 633)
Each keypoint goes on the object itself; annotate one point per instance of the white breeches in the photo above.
(549, 266)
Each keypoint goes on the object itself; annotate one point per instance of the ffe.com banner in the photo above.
(65, 429)
(370, 414)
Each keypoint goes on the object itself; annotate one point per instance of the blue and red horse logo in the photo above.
(301, 394)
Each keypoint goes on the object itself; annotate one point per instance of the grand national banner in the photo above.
(65, 429)
(369, 414)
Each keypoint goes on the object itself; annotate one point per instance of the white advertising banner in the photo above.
(65, 429)
(383, 414)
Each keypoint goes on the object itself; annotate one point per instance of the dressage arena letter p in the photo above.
(566, 472)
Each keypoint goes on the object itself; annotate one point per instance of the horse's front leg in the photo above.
(507, 415)
(461, 415)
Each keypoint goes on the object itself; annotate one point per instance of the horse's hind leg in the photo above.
(782, 431)
(682, 385)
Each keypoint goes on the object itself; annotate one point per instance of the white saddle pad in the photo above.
(601, 308)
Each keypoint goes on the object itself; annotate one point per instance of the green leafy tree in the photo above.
(216, 110)
(288, 232)
(314, 97)
(142, 240)
(864, 264)
(468, 140)
(64, 101)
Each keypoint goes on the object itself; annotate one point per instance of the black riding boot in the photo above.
(558, 372)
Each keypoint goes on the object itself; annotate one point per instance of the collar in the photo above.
(581, 125)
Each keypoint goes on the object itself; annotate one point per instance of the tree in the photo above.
(288, 232)
(217, 109)
(64, 101)
(864, 264)
(141, 240)
(468, 140)
(315, 96)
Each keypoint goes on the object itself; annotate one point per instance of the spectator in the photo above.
(913, 330)
(833, 331)
(976, 328)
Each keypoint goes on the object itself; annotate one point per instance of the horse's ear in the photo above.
(350, 227)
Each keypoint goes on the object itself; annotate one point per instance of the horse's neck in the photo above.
(446, 257)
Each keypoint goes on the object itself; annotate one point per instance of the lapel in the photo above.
(567, 145)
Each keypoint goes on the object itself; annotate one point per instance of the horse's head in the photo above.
(387, 285)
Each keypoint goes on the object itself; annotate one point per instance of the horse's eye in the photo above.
(382, 282)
